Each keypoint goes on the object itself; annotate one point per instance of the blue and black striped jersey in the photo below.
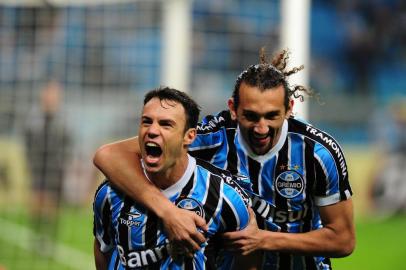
(135, 236)
(304, 170)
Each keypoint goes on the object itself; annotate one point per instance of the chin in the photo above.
(152, 169)
(261, 151)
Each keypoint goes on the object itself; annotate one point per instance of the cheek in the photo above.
(141, 134)
(244, 124)
(174, 142)
(277, 124)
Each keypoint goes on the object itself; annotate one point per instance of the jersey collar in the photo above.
(271, 152)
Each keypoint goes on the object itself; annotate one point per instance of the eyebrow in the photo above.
(160, 121)
(167, 121)
(270, 113)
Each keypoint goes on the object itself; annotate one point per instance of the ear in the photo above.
(290, 109)
(190, 136)
(232, 109)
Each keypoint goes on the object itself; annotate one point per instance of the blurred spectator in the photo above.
(388, 192)
(47, 144)
(372, 31)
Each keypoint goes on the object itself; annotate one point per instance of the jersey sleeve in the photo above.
(332, 184)
(102, 225)
(210, 135)
(234, 215)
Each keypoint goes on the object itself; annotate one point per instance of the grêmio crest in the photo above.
(289, 184)
(191, 205)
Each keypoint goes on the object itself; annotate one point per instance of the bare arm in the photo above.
(101, 259)
(335, 239)
(120, 163)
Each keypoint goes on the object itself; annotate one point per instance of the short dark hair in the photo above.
(269, 75)
(192, 109)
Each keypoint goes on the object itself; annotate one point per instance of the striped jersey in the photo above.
(304, 170)
(134, 236)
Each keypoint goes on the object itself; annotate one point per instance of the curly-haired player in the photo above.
(296, 167)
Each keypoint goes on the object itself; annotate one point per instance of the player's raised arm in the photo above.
(120, 163)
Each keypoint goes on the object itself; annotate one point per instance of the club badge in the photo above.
(191, 205)
(289, 184)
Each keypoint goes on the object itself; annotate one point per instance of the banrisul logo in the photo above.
(289, 184)
(191, 205)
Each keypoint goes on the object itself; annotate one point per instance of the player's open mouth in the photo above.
(153, 150)
(260, 139)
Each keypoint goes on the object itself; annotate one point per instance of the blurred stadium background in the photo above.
(104, 55)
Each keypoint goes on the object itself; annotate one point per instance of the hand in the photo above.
(245, 241)
(182, 226)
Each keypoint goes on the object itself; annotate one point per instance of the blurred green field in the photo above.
(73, 249)
(380, 245)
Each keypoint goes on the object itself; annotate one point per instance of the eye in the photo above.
(272, 115)
(146, 121)
(252, 117)
(166, 124)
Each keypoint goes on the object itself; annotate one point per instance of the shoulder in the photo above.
(230, 186)
(326, 150)
(101, 196)
(102, 188)
(316, 135)
(205, 165)
(213, 123)
(105, 191)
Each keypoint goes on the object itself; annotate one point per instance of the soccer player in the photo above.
(293, 165)
(127, 235)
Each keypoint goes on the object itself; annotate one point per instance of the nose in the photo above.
(261, 127)
(153, 130)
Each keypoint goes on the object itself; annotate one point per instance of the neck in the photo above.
(171, 175)
(277, 145)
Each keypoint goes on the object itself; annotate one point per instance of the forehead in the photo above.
(164, 109)
(254, 99)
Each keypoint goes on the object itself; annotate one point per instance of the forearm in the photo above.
(322, 242)
(120, 163)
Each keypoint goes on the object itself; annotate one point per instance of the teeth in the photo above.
(151, 144)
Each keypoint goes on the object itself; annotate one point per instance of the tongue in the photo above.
(151, 159)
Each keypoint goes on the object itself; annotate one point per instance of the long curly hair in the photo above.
(270, 74)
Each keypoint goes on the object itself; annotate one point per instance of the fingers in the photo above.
(232, 236)
(186, 228)
(189, 241)
(200, 222)
(198, 238)
(194, 245)
(252, 213)
(178, 250)
(240, 246)
(253, 220)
